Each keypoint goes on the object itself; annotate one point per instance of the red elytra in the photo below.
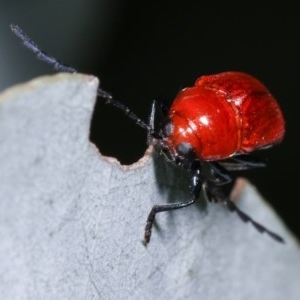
(225, 114)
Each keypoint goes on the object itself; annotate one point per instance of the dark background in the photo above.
(147, 50)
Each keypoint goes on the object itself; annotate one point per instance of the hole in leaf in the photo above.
(115, 135)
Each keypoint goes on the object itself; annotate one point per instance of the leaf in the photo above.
(72, 221)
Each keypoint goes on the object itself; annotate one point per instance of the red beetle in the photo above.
(223, 115)
(212, 126)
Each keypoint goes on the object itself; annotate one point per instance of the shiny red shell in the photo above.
(225, 114)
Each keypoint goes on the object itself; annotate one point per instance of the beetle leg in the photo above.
(221, 174)
(160, 108)
(195, 191)
(242, 162)
(152, 132)
(216, 193)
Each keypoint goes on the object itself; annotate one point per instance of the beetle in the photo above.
(209, 130)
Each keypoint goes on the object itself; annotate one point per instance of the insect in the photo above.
(210, 130)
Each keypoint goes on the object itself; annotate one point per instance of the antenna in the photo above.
(58, 66)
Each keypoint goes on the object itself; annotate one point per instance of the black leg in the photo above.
(158, 111)
(215, 193)
(152, 132)
(160, 208)
(195, 191)
(242, 162)
(220, 173)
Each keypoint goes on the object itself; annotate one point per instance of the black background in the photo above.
(154, 49)
(158, 49)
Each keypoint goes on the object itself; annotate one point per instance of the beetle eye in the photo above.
(168, 129)
(184, 149)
